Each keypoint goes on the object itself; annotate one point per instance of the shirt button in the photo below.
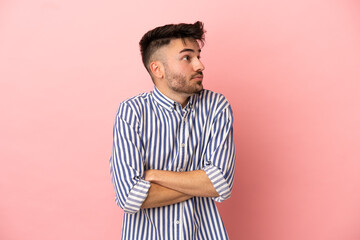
(183, 145)
(177, 222)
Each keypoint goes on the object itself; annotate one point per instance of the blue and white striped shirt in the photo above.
(152, 131)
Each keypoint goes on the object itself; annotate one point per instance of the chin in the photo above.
(198, 90)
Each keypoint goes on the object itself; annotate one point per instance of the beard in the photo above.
(181, 84)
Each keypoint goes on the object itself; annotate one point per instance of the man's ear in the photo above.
(157, 69)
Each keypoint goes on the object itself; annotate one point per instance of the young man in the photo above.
(173, 151)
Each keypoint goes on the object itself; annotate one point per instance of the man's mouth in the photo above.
(198, 76)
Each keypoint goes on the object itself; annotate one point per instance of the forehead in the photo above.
(178, 44)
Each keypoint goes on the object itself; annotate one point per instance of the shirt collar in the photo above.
(169, 104)
(163, 100)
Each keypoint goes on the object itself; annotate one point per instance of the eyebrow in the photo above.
(188, 50)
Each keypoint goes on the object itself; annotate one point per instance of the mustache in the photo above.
(197, 75)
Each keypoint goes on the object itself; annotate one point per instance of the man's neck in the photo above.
(180, 98)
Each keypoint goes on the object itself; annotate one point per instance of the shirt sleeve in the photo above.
(219, 160)
(126, 162)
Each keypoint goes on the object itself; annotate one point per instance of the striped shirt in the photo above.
(152, 131)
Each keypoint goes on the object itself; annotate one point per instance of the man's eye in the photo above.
(186, 58)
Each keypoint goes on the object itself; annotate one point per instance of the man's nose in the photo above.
(198, 65)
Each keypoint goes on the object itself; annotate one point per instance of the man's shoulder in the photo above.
(214, 98)
(134, 104)
(140, 98)
(207, 93)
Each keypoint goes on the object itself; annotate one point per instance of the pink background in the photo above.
(290, 69)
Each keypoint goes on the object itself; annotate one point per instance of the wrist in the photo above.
(150, 175)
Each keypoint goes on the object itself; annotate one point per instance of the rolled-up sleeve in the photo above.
(126, 162)
(219, 160)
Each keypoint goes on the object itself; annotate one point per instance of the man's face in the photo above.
(183, 68)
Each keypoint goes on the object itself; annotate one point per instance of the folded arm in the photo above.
(159, 196)
(169, 187)
(193, 183)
